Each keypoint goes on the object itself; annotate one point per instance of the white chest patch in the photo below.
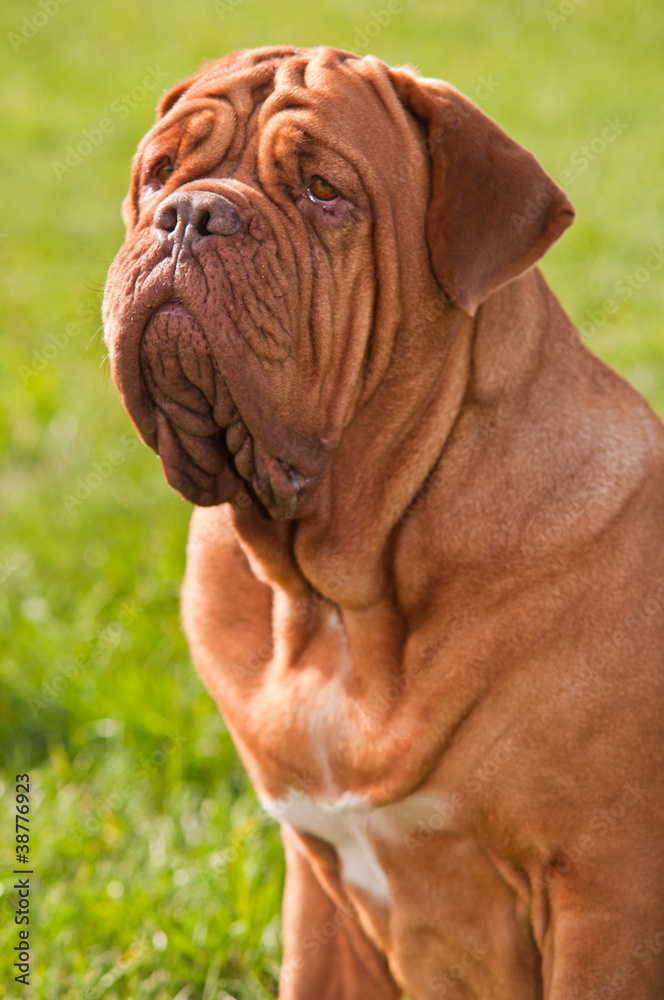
(343, 824)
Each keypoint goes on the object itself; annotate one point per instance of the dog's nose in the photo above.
(188, 216)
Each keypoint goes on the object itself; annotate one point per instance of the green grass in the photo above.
(157, 874)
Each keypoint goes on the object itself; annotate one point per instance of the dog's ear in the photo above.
(493, 211)
(173, 96)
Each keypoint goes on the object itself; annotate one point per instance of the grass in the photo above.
(157, 875)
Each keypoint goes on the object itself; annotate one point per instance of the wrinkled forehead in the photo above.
(344, 102)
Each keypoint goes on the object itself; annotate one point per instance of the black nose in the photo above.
(188, 216)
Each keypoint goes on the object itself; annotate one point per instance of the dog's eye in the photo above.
(158, 176)
(164, 172)
(321, 190)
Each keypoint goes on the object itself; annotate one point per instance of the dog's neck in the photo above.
(459, 398)
(382, 469)
(384, 458)
(423, 470)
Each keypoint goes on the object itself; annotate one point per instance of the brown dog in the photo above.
(428, 590)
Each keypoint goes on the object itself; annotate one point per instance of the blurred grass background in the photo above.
(157, 874)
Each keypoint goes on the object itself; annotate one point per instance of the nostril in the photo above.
(224, 220)
(196, 215)
(166, 218)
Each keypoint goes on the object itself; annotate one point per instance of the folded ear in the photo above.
(173, 96)
(493, 211)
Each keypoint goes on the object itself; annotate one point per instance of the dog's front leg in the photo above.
(327, 955)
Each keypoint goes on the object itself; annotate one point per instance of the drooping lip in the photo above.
(278, 481)
(124, 334)
(172, 305)
(281, 487)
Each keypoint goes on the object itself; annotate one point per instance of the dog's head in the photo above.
(291, 212)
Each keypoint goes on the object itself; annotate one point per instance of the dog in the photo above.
(425, 578)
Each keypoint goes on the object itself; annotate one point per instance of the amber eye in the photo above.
(164, 173)
(321, 190)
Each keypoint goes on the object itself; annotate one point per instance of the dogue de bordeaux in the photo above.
(425, 580)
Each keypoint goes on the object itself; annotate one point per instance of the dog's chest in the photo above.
(356, 829)
(343, 825)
